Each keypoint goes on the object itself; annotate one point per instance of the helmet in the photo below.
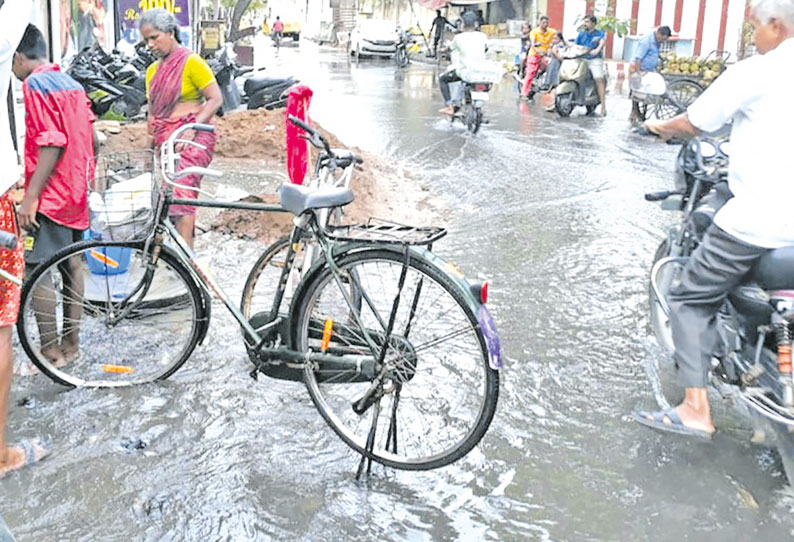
(470, 19)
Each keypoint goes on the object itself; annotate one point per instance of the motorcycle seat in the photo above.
(298, 199)
(775, 269)
(258, 83)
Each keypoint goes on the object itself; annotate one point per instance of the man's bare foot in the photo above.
(54, 355)
(21, 455)
(69, 349)
(448, 110)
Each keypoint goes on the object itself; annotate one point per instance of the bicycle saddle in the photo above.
(298, 199)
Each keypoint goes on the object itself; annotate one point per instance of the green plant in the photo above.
(608, 24)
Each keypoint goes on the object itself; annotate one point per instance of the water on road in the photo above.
(549, 210)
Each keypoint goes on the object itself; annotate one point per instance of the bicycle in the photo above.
(397, 350)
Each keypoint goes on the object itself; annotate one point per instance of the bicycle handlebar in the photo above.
(169, 156)
(317, 139)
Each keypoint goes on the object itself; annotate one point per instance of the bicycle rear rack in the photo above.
(383, 231)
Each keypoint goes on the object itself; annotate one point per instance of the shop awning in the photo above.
(438, 4)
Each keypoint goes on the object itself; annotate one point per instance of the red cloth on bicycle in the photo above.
(12, 262)
(298, 101)
(58, 114)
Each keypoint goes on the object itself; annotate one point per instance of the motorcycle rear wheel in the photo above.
(474, 119)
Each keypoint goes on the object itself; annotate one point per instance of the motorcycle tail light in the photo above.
(480, 87)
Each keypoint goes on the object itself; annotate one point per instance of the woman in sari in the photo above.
(181, 89)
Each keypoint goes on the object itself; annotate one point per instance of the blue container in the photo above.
(106, 261)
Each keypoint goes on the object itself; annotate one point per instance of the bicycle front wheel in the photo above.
(93, 316)
(435, 395)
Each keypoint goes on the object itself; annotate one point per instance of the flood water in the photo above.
(549, 210)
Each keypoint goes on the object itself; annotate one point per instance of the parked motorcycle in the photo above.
(406, 46)
(577, 86)
(114, 84)
(240, 84)
(472, 93)
(751, 361)
(226, 69)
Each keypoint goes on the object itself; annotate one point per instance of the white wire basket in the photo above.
(122, 195)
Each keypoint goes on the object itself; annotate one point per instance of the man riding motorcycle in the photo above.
(466, 49)
(753, 94)
(537, 60)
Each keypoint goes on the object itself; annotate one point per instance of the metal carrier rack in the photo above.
(376, 230)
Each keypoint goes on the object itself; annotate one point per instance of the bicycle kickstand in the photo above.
(366, 458)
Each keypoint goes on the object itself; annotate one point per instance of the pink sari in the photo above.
(164, 93)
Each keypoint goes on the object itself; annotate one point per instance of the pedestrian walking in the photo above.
(14, 15)
(437, 29)
(181, 89)
(59, 156)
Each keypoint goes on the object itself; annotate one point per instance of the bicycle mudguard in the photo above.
(465, 288)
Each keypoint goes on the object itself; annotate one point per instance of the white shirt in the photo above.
(14, 17)
(468, 48)
(756, 94)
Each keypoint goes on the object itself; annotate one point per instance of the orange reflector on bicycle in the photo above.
(118, 369)
(110, 262)
(328, 330)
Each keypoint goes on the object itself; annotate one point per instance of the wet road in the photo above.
(551, 211)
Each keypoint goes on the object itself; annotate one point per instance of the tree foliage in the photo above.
(608, 24)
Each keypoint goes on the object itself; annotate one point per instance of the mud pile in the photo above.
(257, 139)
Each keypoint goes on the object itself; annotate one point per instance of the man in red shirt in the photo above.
(59, 158)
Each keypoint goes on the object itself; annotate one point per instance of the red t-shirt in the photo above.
(278, 26)
(58, 114)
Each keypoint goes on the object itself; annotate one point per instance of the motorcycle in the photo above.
(472, 93)
(751, 363)
(406, 46)
(241, 84)
(577, 86)
(115, 85)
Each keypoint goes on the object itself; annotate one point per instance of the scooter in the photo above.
(242, 85)
(577, 86)
(114, 85)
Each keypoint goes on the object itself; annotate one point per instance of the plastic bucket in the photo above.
(106, 260)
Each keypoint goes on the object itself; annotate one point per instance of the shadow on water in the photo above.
(551, 211)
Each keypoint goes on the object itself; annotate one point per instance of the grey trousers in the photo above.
(716, 267)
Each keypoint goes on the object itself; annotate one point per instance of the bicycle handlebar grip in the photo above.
(8, 240)
(299, 123)
(204, 127)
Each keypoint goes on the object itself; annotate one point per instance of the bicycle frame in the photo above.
(207, 282)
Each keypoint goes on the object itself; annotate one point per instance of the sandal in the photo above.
(676, 426)
(34, 449)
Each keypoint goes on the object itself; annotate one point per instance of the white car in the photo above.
(374, 37)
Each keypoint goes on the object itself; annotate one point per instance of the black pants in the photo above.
(436, 41)
(716, 267)
(443, 81)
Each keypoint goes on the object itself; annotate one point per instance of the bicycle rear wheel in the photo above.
(438, 394)
(132, 326)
